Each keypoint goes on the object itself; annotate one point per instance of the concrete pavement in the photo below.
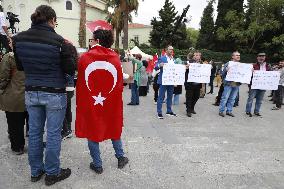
(205, 151)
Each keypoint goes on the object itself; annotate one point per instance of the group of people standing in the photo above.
(37, 84)
(228, 95)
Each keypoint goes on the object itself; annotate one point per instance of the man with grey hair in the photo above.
(231, 89)
(167, 59)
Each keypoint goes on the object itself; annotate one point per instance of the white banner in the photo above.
(265, 80)
(239, 72)
(199, 73)
(173, 74)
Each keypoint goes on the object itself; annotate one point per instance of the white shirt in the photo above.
(170, 60)
(2, 23)
(262, 66)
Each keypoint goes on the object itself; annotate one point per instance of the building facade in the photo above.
(67, 11)
(139, 33)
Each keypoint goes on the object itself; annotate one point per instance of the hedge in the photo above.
(206, 54)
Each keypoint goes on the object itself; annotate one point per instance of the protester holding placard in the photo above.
(137, 64)
(177, 88)
(231, 89)
(257, 93)
(280, 91)
(167, 59)
(192, 89)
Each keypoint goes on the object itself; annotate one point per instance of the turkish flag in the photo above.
(99, 110)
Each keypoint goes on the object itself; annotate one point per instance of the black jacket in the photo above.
(44, 57)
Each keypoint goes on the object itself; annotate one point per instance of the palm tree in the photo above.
(82, 28)
(125, 8)
(116, 21)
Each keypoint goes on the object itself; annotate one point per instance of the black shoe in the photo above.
(171, 114)
(160, 116)
(221, 114)
(122, 161)
(216, 104)
(18, 152)
(249, 114)
(52, 179)
(271, 99)
(270, 96)
(67, 134)
(257, 114)
(131, 104)
(193, 112)
(230, 114)
(188, 114)
(37, 178)
(137, 103)
(98, 170)
(235, 105)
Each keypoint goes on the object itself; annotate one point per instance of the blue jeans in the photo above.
(162, 92)
(96, 154)
(228, 98)
(176, 99)
(50, 108)
(258, 94)
(134, 93)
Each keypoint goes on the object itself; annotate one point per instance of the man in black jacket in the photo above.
(44, 57)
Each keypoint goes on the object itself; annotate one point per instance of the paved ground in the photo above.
(205, 151)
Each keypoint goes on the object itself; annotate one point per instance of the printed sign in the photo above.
(173, 74)
(199, 73)
(265, 80)
(239, 72)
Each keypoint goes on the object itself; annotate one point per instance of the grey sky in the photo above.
(149, 9)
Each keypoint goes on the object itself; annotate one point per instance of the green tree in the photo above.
(224, 6)
(250, 34)
(125, 8)
(206, 33)
(161, 34)
(170, 29)
(192, 36)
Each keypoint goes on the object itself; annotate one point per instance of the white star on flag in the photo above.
(99, 99)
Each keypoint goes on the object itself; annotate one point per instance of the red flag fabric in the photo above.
(98, 24)
(99, 111)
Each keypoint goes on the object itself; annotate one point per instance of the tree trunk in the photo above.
(82, 29)
(117, 38)
(125, 29)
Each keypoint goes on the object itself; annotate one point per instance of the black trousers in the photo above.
(16, 123)
(156, 91)
(4, 43)
(192, 95)
(211, 84)
(68, 115)
(279, 96)
(220, 92)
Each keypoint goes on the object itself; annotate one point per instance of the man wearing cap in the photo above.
(167, 59)
(257, 93)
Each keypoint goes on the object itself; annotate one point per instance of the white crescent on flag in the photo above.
(100, 65)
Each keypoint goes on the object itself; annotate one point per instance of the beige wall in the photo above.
(68, 20)
(142, 33)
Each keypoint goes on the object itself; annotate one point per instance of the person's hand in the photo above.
(161, 65)
(131, 77)
(187, 66)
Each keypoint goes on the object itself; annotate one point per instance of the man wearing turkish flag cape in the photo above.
(99, 111)
(99, 95)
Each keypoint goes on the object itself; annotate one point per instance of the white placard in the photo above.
(199, 73)
(239, 72)
(265, 80)
(173, 74)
